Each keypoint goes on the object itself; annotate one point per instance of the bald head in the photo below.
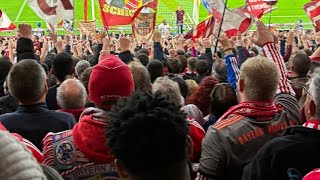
(71, 94)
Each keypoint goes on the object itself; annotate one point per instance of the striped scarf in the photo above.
(312, 124)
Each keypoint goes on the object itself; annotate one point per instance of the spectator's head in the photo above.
(172, 53)
(85, 78)
(110, 80)
(219, 70)
(259, 80)
(133, 136)
(155, 69)
(62, 66)
(179, 8)
(180, 52)
(202, 67)
(169, 88)
(71, 94)
(300, 64)
(164, 22)
(143, 58)
(27, 82)
(141, 77)
(25, 49)
(254, 50)
(184, 63)
(174, 66)
(182, 84)
(308, 52)
(81, 66)
(222, 98)
(192, 86)
(201, 97)
(312, 103)
(5, 66)
(192, 63)
(144, 51)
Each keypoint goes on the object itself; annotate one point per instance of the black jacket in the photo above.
(298, 149)
(8, 104)
(35, 121)
(51, 98)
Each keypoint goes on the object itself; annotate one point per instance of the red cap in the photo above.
(110, 80)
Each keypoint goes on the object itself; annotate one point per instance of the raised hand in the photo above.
(124, 44)
(264, 35)
(53, 37)
(157, 37)
(224, 41)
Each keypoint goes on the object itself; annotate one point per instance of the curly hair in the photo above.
(201, 97)
(142, 130)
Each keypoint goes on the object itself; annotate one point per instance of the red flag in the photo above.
(203, 29)
(313, 10)
(5, 22)
(114, 14)
(256, 8)
(85, 10)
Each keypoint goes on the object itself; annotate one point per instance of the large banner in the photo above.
(257, 8)
(53, 10)
(143, 26)
(87, 27)
(313, 10)
(123, 12)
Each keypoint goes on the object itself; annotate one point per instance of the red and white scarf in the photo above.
(312, 124)
(262, 111)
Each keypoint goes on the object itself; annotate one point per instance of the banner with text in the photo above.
(257, 8)
(143, 26)
(87, 27)
(116, 12)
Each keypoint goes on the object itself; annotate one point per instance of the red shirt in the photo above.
(180, 15)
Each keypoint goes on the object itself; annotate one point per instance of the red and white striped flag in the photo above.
(5, 22)
(313, 10)
(203, 29)
(53, 10)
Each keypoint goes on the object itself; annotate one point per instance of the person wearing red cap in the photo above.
(82, 153)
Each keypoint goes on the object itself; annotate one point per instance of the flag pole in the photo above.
(224, 11)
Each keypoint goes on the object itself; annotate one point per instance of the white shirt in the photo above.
(164, 29)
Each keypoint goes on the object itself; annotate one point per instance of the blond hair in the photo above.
(192, 86)
(261, 78)
(141, 76)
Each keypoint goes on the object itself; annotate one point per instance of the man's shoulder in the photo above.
(7, 116)
(62, 116)
(229, 121)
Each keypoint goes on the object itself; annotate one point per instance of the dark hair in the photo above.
(26, 81)
(219, 70)
(180, 52)
(201, 97)
(222, 98)
(155, 68)
(85, 76)
(184, 63)
(255, 50)
(136, 135)
(5, 66)
(301, 64)
(144, 51)
(202, 67)
(308, 52)
(143, 58)
(183, 86)
(62, 66)
(192, 63)
(174, 66)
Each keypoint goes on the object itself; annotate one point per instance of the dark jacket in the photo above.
(158, 53)
(8, 104)
(126, 57)
(298, 149)
(1, 88)
(51, 98)
(33, 122)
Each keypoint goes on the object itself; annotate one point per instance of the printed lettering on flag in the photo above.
(53, 11)
(87, 27)
(256, 8)
(114, 13)
(5, 22)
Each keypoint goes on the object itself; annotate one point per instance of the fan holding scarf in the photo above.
(267, 106)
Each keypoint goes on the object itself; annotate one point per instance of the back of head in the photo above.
(192, 63)
(133, 135)
(169, 88)
(180, 52)
(5, 66)
(219, 70)
(202, 67)
(222, 98)
(308, 52)
(314, 89)
(155, 69)
(182, 84)
(27, 81)
(260, 78)
(25, 49)
(174, 66)
(184, 63)
(141, 76)
(62, 66)
(143, 58)
(71, 94)
(301, 64)
(144, 51)
(81, 66)
(85, 78)
(255, 50)
(192, 86)
(110, 80)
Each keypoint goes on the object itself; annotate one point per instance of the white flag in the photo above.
(53, 11)
(5, 22)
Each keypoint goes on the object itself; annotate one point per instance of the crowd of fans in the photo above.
(110, 107)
